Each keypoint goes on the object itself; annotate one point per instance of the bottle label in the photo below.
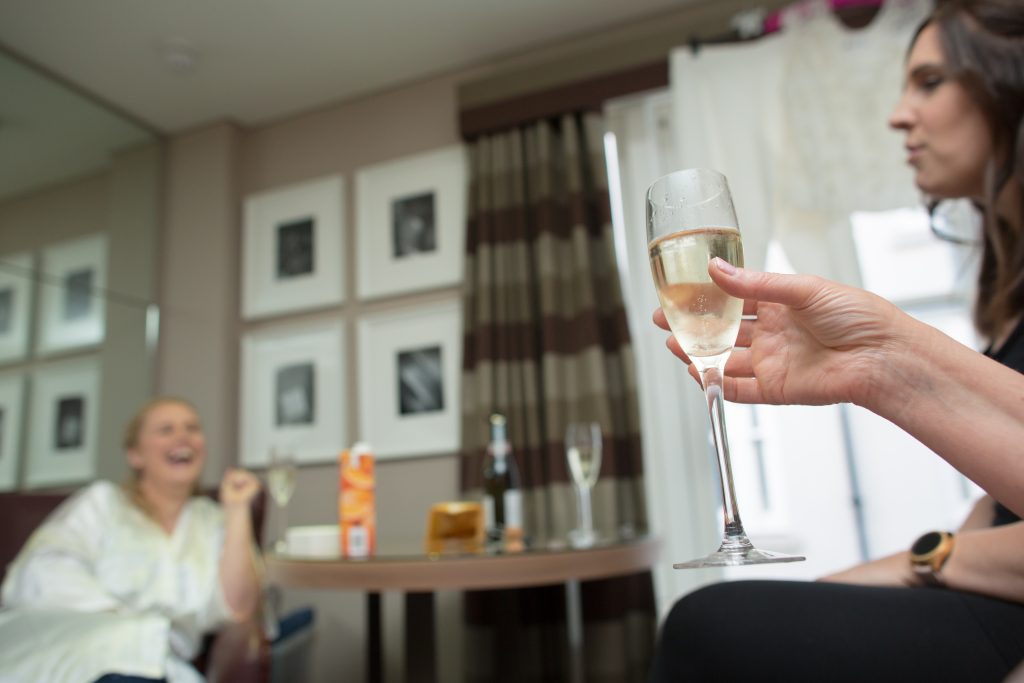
(489, 519)
(513, 509)
(358, 542)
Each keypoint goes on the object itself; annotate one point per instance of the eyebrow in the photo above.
(926, 67)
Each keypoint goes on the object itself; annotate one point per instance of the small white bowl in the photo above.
(321, 540)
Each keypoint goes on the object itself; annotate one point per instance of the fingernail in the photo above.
(724, 266)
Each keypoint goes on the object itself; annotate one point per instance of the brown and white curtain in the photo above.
(546, 343)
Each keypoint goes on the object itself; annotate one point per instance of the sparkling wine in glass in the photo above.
(583, 453)
(281, 483)
(690, 220)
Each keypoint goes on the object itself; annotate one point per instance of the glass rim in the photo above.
(696, 172)
(693, 170)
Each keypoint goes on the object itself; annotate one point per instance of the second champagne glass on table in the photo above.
(583, 452)
(281, 483)
(690, 220)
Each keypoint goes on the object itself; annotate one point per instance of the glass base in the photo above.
(578, 538)
(738, 551)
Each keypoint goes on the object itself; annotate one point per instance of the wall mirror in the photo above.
(79, 203)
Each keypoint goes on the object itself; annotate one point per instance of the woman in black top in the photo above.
(961, 113)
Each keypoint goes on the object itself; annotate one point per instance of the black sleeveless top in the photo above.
(1010, 354)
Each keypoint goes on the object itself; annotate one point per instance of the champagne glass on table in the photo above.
(281, 482)
(583, 452)
(690, 220)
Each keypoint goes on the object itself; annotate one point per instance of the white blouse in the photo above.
(100, 588)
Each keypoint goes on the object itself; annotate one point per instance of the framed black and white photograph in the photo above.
(12, 391)
(411, 216)
(292, 393)
(292, 248)
(69, 422)
(295, 394)
(64, 419)
(16, 287)
(413, 225)
(72, 304)
(420, 381)
(409, 364)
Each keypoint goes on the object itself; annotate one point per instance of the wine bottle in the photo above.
(503, 501)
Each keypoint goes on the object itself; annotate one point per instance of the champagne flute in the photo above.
(281, 482)
(583, 451)
(690, 220)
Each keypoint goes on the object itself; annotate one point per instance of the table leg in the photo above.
(420, 643)
(374, 656)
(574, 625)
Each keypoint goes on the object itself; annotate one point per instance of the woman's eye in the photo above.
(928, 79)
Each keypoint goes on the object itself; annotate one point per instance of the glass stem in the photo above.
(282, 543)
(735, 537)
(586, 517)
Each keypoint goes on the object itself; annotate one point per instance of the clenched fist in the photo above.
(238, 487)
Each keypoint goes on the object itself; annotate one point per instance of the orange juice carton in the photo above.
(357, 505)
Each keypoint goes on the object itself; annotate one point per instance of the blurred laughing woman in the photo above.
(121, 582)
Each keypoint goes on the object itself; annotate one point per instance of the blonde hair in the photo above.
(130, 441)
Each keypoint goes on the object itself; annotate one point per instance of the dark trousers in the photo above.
(119, 678)
(802, 631)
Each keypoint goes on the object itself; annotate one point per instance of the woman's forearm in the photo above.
(238, 576)
(967, 408)
(985, 561)
(981, 515)
(988, 561)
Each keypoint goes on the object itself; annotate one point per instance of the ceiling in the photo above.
(180, 64)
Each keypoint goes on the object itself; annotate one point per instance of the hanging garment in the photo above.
(835, 153)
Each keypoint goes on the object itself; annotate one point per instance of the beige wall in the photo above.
(121, 202)
(199, 284)
(208, 173)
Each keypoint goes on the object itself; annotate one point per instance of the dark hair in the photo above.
(983, 45)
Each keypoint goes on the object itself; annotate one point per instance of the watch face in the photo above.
(927, 543)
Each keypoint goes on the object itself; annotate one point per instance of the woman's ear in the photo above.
(134, 459)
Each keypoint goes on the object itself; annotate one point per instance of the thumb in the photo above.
(795, 291)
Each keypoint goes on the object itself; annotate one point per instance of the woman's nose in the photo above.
(901, 117)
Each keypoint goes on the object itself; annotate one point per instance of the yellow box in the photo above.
(455, 527)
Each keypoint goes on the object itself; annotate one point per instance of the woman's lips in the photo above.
(181, 455)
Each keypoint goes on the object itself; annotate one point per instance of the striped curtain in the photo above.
(546, 343)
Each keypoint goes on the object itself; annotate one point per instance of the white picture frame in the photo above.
(12, 395)
(292, 397)
(411, 223)
(292, 249)
(72, 300)
(410, 362)
(64, 420)
(16, 289)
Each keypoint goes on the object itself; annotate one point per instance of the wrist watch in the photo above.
(928, 554)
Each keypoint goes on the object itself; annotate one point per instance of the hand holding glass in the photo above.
(583, 452)
(690, 220)
(281, 482)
